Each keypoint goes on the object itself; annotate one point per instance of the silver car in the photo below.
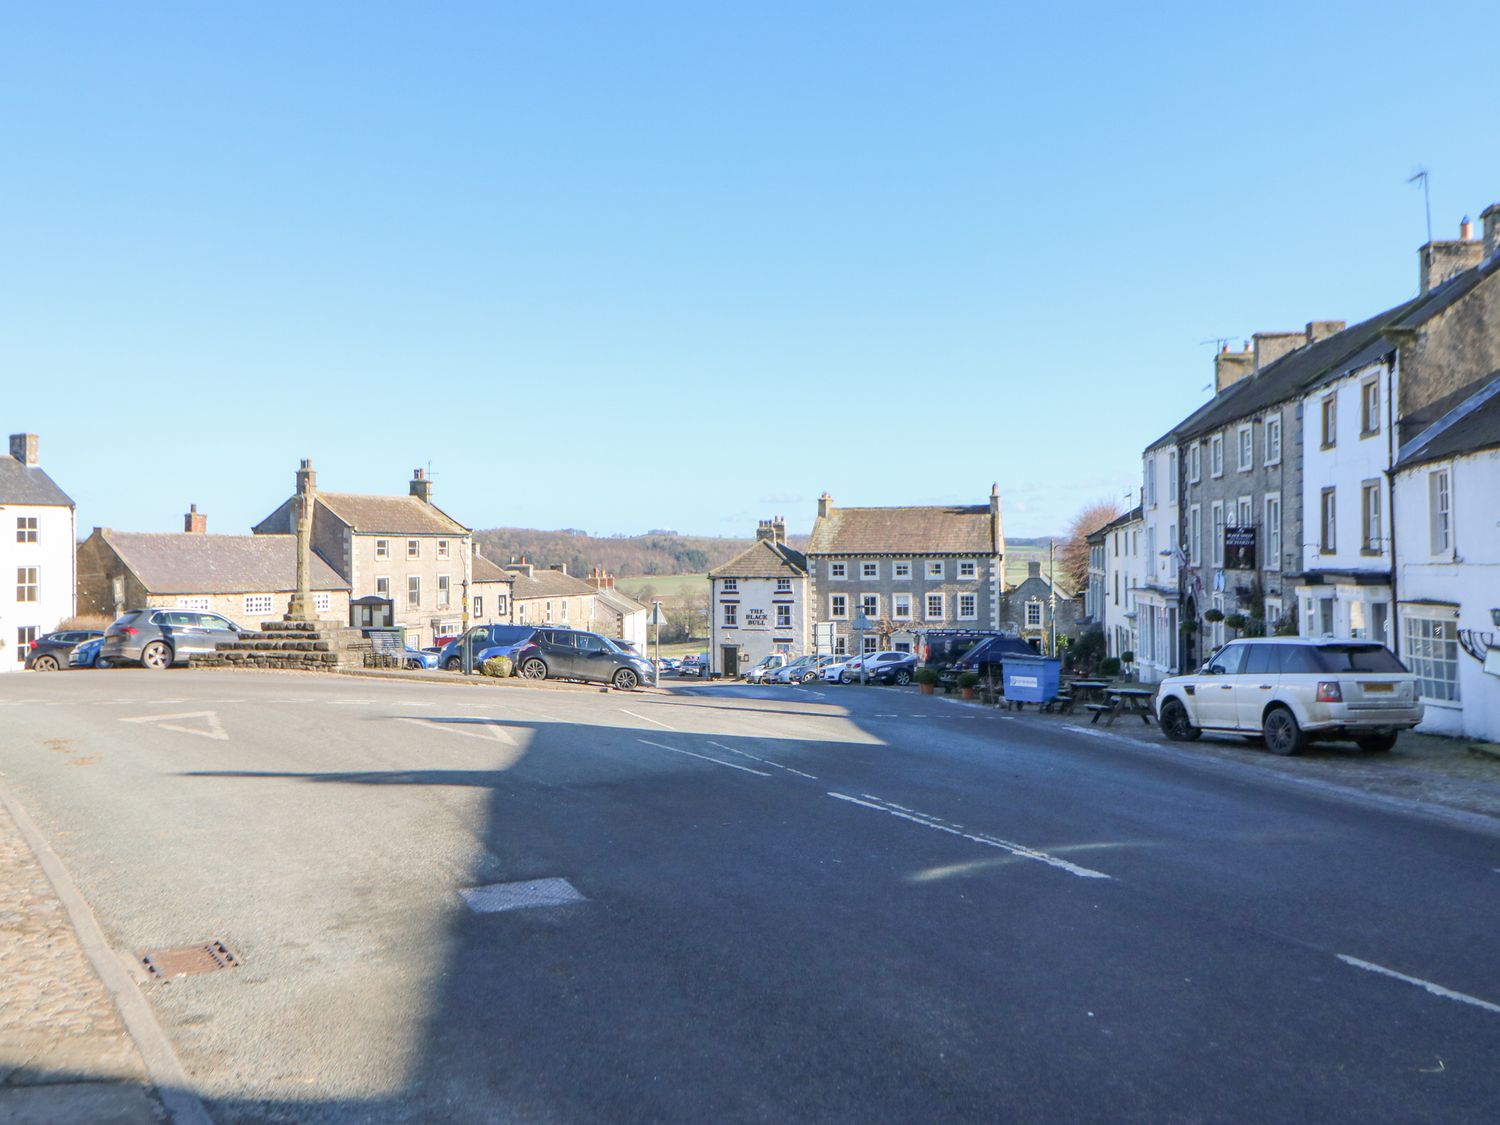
(159, 638)
(1291, 690)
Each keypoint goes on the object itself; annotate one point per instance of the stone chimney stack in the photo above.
(1033, 568)
(778, 526)
(1230, 367)
(1271, 346)
(765, 531)
(997, 523)
(1322, 329)
(421, 487)
(825, 505)
(561, 568)
(1441, 260)
(23, 447)
(522, 565)
(600, 579)
(1491, 217)
(195, 522)
(307, 479)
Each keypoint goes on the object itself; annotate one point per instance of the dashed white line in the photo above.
(1435, 989)
(703, 757)
(644, 718)
(1021, 851)
(763, 761)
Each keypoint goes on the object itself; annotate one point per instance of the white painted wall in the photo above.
(1469, 574)
(1160, 530)
(53, 556)
(1125, 569)
(756, 599)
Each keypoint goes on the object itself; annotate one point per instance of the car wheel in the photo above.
(845, 678)
(156, 656)
(809, 677)
(903, 678)
(626, 680)
(452, 664)
(1377, 743)
(534, 669)
(1175, 723)
(100, 662)
(44, 664)
(1283, 735)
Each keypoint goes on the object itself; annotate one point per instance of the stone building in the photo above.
(490, 591)
(617, 615)
(906, 568)
(249, 579)
(759, 603)
(405, 559)
(1033, 606)
(37, 537)
(1126, 570)
(550, 597)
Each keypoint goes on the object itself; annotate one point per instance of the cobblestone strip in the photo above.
(65, 1051)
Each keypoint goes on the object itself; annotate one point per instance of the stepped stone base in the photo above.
(301, 646)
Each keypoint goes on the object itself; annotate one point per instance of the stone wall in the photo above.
(1449, 356)
(299, 646)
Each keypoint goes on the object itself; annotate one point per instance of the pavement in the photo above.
(738, 903)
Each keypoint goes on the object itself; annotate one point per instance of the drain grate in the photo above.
(188, 960)
(521, 896)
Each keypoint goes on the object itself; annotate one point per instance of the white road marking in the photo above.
(1435, 989)
(1019, 850)
(212, 728)
(703, 757)
(644, 718)
(469, 729)
(763, 761)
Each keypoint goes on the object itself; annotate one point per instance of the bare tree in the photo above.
(1073, 554)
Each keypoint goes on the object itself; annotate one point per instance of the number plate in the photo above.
(1374, 689)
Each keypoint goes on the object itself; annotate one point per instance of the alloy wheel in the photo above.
(626, 680)
(44, 664)
(533, 669)
(156, 656)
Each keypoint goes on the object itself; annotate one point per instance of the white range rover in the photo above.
(1291, 690)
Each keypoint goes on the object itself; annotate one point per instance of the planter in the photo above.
(925, 689)
(967, 693)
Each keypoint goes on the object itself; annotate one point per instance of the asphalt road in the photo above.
(851, 905)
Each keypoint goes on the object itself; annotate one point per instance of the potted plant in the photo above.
(966, 684)
(1189, 625)
(1127, 658)
(1237, 622)
(1109, 667)
(1213, 616)
(927, 679)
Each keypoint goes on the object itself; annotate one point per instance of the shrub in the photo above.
(1110, 666)
(1127, 657)
(968, 679)
(497, 666)
(1213, 616)
(926, 676)
(1188, 625)
(1236, 621)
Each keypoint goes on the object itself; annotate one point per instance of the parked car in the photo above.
(765, 666)
(1292, 690)
(159, 638)
(940, 649)
(985, 659)
(872, 663)
(420, 658)
(898, 671)
(86, 655)
(694, 664)
(488, 641)
(668, 664)
(803, 670)
(840, 670)
(50, 651)
(570, 654)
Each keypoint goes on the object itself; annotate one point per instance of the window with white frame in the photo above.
(1273, 613)
(26, 583)
(968, 607)
(257, 604)
(838, 606)
(934, 607)
(25, 634)
(901, 569)
(901, 607)
(1330, 417)
(1195, 463)
(1247, 449)
(1195, 535)
(565, 603)
(731, 614)
(868, 571)
(783, 616)
(838, 570)
(501, 601)
(1369, 516)
(1440, 511)
(547, 610)
(383, 588)
(200, 604)
(1033, 615)
(1216, 455)
(869, 643)
(1369, 407)
(1272, 560)
(1171, 476)
(1328, 526)
(1216, 544)
(382, 548)
(967, 568)
(414, 548)
(1273, 440)
(783, 585)
(869, 605)
(25, 529)
(1148, 484)
(731, 586)
(934, 568)
(1245, 515)
(521, 612)
(841, 644)
(1432, 655)
(442, 548)
(445, 592)
(323, 602)
(478, 605)
(413, 590)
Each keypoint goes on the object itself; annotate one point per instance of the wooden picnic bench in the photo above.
(1125, 701)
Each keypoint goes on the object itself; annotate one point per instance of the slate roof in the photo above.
(1468, 428)
(26, 484)
(182, 563)
(370, 515)
(950, 530)
(620, 603)
(482, 570)
(764, 559)
(547, 584)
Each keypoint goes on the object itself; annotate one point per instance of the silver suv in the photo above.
(159, 638)
(1291, 690)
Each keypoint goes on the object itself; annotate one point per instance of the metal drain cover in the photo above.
(521, 896)
(188, 960)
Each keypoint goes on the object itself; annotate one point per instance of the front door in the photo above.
(729, 660)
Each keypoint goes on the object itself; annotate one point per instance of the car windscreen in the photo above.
(1356, 658)
(509, 634)
(973, 651)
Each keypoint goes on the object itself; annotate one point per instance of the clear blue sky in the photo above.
(625, 265)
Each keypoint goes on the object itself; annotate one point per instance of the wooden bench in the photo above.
(1098, 709)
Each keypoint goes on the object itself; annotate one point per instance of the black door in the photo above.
(729, 658)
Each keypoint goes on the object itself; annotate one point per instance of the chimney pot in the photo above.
(195, 522)
(23, 447)
(1466, 229)
(1491, 219)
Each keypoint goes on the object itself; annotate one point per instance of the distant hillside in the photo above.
(656, 552)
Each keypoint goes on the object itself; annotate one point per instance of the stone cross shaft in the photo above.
(301, 608)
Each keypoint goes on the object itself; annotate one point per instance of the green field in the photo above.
(665, 585)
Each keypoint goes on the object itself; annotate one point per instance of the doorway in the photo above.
(729, 661)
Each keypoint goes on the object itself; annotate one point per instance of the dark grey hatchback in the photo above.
(159, 638)
(570, 654)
